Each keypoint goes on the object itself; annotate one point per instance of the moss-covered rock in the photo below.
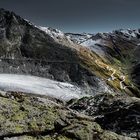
(26, 117)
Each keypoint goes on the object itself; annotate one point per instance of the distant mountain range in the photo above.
(97, 62)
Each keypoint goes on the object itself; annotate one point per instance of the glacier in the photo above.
(40, 86)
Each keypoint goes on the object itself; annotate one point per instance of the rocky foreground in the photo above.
(24, 117)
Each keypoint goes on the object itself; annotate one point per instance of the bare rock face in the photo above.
(136, 75)
(118, 113)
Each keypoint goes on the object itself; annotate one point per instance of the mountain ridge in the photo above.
(99, 55)
(33, 43)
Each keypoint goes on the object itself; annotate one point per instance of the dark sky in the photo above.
(78, 15)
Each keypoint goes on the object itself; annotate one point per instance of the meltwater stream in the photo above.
(40, 86)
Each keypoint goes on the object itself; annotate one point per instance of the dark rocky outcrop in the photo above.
(136, 75)
(118, 113)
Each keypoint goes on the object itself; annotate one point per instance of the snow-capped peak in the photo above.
(129, 33)
(78, 38)
(56, 34)
(52, 32)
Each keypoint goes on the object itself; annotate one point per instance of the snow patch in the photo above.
(91, 42)
(93, 45)
(128, 32)
(56, 34)
(52, 32)
(40, 86)
(78, 38)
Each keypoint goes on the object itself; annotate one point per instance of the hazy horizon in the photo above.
(78, 16)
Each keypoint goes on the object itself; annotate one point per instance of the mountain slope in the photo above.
(25, 49)
(119, 53)
(100, 63)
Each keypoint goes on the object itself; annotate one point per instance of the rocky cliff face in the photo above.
(104, 66)
(113, 112)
